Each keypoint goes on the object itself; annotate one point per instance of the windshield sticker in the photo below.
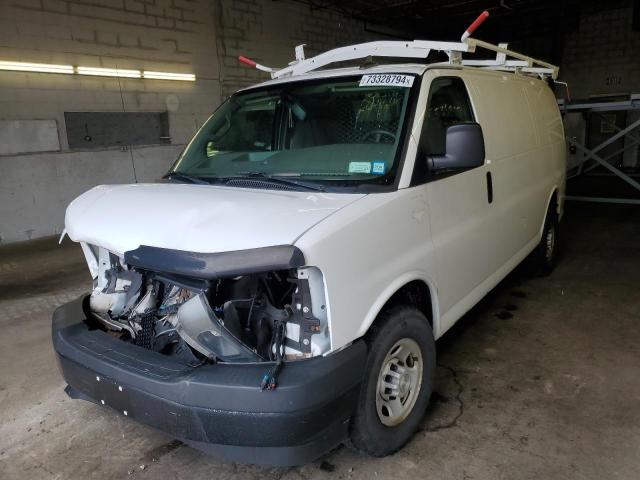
(211, 150)
(386, 80)
(359, 167)
(377, 168)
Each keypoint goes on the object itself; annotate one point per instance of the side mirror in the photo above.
(464, 149)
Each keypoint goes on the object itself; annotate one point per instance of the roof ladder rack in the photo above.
(506, 60)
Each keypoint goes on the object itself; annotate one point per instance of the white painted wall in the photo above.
(20, 136)
(35, 189)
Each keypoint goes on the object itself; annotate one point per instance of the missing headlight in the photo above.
(250, 318)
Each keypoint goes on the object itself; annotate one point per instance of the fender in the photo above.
(391, 289)
(555, 190)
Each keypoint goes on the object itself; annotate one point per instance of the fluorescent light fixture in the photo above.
(185, 77)
(94, 71)
(109, 72)
(35, 67)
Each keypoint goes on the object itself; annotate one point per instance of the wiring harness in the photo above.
(270, 379)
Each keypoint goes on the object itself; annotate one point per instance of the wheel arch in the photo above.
(552, 201)
(410, 289)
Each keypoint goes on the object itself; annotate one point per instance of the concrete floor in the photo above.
(539, 381)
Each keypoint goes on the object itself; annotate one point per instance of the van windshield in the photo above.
(323, 134)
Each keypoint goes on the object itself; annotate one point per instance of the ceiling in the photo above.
(438, 19)
(535, 26)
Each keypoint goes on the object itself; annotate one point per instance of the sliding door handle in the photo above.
(489, 188)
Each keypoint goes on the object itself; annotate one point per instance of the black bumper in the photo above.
(216, 408)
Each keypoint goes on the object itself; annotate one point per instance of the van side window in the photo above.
(447, 104)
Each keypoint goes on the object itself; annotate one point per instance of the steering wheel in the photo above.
(379, 134)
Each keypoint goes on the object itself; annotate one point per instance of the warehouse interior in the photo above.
(537, 381)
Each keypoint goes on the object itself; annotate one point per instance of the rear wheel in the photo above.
(397, 383)
(545, 256)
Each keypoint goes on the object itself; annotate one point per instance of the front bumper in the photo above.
(216, 408)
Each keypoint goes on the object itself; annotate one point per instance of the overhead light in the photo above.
(185, 77)
(109, 72)
(35, 67)
(94, 71)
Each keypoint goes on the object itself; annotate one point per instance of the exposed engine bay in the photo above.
(266, 316)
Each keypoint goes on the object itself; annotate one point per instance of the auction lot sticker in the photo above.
(386, 80)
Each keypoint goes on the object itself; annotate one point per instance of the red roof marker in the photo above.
(476, 23)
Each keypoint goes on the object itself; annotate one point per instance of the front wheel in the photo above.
(397, 383)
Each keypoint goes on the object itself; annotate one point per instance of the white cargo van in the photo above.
(283, 287)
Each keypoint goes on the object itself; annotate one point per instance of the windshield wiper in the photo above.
(186, 178)
(280, 179)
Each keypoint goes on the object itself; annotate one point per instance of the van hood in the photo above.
(196, 218)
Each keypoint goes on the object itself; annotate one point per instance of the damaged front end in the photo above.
(236, 307)
(185, 342)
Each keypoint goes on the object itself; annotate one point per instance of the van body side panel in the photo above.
(450, 317)
(464, 225)
(550, 126)
(525, 153)
(514, 152)
(367, 252)
(525, 142)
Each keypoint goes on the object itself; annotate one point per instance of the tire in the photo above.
(545, 257)
(395, 339)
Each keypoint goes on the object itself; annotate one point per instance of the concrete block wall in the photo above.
(191, 36)
(602, 58)
(268, 31)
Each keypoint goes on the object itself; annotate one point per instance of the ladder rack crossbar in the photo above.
(494, 63)
(415, 49)
(501, 50)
